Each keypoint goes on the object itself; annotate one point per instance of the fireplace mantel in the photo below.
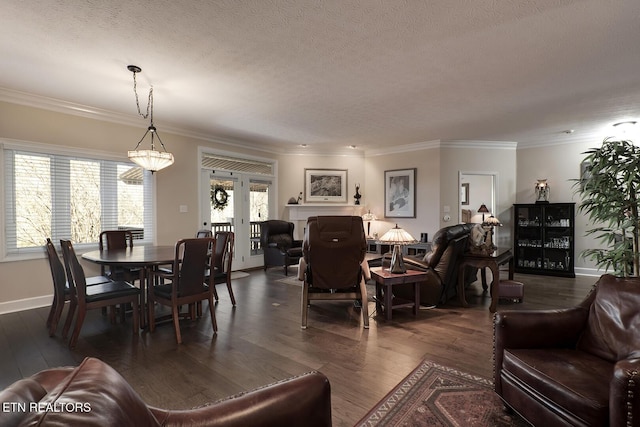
(303, 211)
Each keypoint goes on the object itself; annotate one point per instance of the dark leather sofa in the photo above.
(578, 366)
(94, 394)
(441, 265)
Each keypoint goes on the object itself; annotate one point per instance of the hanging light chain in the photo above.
(149, 112)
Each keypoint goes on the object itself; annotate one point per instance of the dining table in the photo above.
(144, 257)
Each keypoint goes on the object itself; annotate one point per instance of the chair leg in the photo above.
(76, 330)
(233, 298)
(67, 324)
(57, 314)
(305, 304)
(214, 323)
(176, 323)
(365, 303)
(135, 316)
(286, 271)
(52, 310)
(215, 293)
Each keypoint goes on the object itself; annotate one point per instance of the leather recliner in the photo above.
(441, 266)
(578, 366)
(94, 394)
(278, 245)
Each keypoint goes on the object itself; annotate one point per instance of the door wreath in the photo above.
(219, 198)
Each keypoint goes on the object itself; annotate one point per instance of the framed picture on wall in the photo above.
(400, 193)
(464, 194)
(325, 185)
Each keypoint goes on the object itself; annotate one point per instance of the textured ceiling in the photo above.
(374, 73)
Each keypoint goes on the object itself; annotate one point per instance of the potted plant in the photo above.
(609, 191)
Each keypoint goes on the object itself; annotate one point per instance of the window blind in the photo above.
(64, 196)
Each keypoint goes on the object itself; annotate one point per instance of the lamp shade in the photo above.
(483, 209)
(151, 160)
(493, 221)
(369, 216)
(397, 236)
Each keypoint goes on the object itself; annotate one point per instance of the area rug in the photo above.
(291, 280)
(436, 395)
(239, 274)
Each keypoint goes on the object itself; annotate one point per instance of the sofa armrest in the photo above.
(624, 398)
(535, 329)
(296, 244)
(304, 400)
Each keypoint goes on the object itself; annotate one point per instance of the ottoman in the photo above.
(511, 290)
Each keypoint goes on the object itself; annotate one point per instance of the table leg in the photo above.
(388, 301)
(416, 306)
(143, 297)
(461, 297)
(378, 297)
(495, 283)
(483, 275)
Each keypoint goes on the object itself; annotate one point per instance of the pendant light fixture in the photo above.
(151, 160)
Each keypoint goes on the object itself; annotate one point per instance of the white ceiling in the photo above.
(374, 73)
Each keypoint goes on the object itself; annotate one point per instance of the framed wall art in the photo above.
(325, 185)
(400, 193)
(464, 194)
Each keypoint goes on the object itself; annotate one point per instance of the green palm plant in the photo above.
(610, 201)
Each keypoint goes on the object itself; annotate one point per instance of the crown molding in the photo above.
(405, 148)
(65, 107)
(456, 143)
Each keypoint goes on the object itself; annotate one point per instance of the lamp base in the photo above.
(397, 263)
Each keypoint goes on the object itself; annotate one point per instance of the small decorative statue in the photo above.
(294, 201)
(480, 240)
(357, 196)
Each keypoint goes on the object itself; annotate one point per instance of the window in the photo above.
(59, 195)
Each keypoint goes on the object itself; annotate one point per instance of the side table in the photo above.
(385, 280)
(499, 257)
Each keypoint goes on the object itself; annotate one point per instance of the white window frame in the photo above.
(9, 254)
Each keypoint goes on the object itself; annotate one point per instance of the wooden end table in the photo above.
(499, 257)
(385, 279)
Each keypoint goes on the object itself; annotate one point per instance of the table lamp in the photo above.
(483, 210)
(369, 217)
(396, 237)
(491, 222)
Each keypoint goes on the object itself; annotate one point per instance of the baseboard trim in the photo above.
(25, 304)
(582, 271)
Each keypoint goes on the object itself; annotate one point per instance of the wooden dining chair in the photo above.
(61, 289)
(113, 240)
(222, 257)
(100, 295)
(184, 284)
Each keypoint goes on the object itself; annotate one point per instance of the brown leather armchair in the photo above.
(94, 394)
(578, 366)
(441, 266)
(278, 245)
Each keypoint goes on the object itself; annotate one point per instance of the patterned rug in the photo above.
(436, 395)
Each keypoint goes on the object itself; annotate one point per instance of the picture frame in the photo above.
(400, 193)
(464, 194)
(325, 186)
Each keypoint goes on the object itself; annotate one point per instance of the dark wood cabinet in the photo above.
(544, 238)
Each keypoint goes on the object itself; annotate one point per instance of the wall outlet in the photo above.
(183, 209)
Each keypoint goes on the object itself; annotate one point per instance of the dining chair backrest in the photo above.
(115, 239)
(57, 270)
(77, 279)
(223, 251)
(191, 261)
(203, 233)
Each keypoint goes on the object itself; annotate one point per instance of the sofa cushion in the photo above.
(94, 394)
(614, 320)
(573, 380)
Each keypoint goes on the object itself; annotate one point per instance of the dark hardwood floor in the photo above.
(260, 341)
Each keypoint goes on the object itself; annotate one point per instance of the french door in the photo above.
(237, 202)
